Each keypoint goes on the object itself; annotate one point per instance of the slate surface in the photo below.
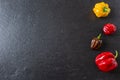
(50, 39)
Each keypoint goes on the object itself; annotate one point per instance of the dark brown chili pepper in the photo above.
(96, 42)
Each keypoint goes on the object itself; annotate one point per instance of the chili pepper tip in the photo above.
(105, 9)
(116, 53)
(99, 36)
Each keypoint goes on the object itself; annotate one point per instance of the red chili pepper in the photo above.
(109, 28)
(106, 61)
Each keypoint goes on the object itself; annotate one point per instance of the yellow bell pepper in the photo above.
(101, 9)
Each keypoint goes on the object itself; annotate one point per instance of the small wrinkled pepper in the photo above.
(96, 42)
(109, 28)
(106, 61)
(101, 9)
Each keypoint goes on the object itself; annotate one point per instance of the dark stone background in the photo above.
(50, 39)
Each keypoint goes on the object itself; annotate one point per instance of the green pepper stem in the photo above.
(116, 53)
(105, 9)
(99, 36)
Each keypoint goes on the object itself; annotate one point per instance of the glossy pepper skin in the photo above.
(106, 61)
(101, 9)
(96, 42)
(109, 28)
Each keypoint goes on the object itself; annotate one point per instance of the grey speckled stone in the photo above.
(50, 40)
